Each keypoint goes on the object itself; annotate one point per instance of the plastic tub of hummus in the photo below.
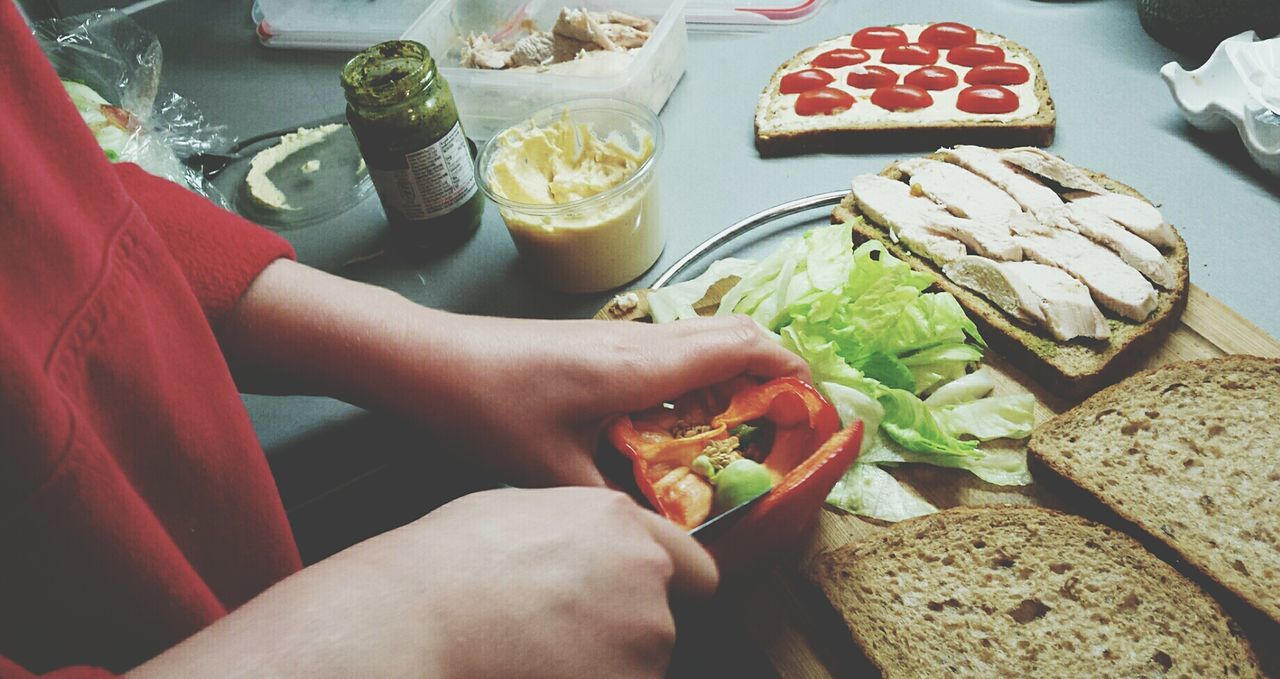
(576, 185)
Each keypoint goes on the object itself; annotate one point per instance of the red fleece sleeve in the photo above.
(9, 670)
(221, 253)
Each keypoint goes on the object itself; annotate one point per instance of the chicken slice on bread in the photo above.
(1042, 310)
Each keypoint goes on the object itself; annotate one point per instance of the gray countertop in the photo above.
(1114, 115)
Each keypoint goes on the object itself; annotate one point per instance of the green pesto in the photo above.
(397, 104)
(1041, 346)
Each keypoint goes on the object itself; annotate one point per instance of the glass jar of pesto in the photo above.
(406, 124)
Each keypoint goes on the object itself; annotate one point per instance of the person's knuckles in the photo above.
(651, 639)
(650, 559)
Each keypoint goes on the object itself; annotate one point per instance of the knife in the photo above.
(712, 528)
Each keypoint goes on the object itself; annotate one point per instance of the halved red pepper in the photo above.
(808, 454)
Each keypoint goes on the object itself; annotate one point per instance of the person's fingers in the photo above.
(708, 351)
(695, 573)
(582, 472)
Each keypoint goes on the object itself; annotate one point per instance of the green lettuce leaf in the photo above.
(969, 387)
(674, 302)
(989, 418)
(876, 341)
(867, 490)
(1001, 467)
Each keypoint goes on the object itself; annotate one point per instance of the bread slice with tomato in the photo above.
(906, 86)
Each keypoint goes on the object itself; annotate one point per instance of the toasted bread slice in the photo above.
(1071, 369)
(1024, 592)
(779, 133)
(1190, 453)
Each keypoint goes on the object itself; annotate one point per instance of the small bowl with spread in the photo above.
(577, 186)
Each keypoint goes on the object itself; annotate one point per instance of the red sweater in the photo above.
(136, 506)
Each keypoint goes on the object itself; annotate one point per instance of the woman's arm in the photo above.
(527, 396)
(565, 582)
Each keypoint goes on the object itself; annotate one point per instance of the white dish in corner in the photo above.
(1213, 98)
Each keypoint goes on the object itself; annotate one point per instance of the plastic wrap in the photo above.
(111, 68)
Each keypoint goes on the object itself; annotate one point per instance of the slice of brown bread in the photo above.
(1071, 369)
(1024, 592)
(775, 136)
(1190, 453)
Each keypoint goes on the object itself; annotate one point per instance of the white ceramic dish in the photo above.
(1214, 98)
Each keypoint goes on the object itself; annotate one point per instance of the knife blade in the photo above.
(708, 530)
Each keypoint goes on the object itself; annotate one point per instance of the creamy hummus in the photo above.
(576, 219)
(262, 190)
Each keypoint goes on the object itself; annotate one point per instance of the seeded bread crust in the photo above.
(1190, 454)
(775, 139)
(1024, 591)
(1071, 370)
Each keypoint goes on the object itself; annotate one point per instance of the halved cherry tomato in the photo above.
(1004, 73)
(901, 98)
(948, 34)
(823, 101)
(975, 55)
(878, 37)
(932, 78)
(914, 53)
(803, 81)
(987, 99)
(871, 77)
(845, 56)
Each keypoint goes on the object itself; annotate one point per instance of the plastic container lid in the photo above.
(346, 25)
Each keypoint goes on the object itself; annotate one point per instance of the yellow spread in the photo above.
(567, 240)
(561, 163)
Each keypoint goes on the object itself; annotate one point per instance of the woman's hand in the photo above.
(527, 398)
(535, 395)
(566, 582)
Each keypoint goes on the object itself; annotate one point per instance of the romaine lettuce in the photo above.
(876, 341)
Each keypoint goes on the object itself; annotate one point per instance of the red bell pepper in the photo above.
(807, 455)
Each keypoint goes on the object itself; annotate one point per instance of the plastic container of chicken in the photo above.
(460, 33)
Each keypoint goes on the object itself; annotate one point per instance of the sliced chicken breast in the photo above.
(1135, 252)
(1069, 311)
(1138, 216)
(1003, 288)
(1033, 293)
(915, 219)
(962, 192)
(1034, 197)
(891, 205)
(1114, 284)
(1044, 164)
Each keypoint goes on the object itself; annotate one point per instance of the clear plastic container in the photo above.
(333, 24)
(748, 14)
(594, 243)
(491, 100)
(353, 26)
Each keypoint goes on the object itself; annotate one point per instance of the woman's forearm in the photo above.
(303, 331)
(528, 397)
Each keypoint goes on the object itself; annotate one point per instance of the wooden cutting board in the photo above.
(801, 639)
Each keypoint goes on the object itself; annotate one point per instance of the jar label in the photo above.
(438, 179)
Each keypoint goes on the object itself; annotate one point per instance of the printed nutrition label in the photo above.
(437, 180)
